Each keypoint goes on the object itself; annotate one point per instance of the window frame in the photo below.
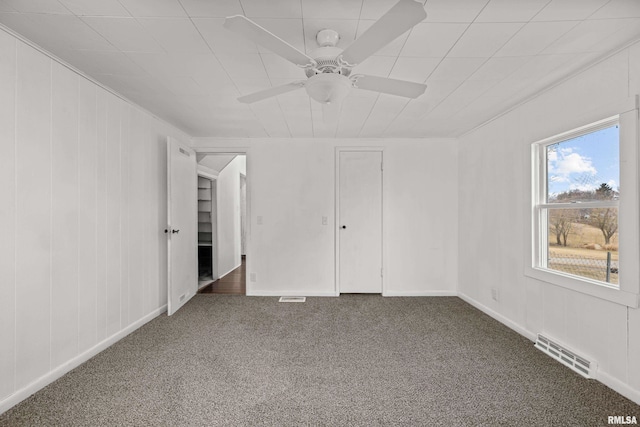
(627, 290)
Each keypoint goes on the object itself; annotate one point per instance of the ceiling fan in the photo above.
(328, 68)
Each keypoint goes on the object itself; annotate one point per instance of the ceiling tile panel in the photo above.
(457, 69)
(220, 39)
(568, 10)
(414, 69)
(35, 6)
(510, 11)
(584, 36)
(534, 37)
(331, 9)
(243, 66)
(627, 32)
(499, 68)
(382, 114)
(55, 32)
(272, 9)
(432, 40)
(108, 63)
(618, 9)
(173, 57)
(212, 8)
(289, 30)
(154, 8)
(454, 11)
(124, 33)
(177, 35)
(483, 40)
(95, 7)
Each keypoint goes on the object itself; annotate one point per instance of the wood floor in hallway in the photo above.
(233, 283)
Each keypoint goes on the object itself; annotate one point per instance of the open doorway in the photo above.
(227, 256)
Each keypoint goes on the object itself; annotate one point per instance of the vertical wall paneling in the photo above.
(101, 214)
(7, 212)
(113, 215)
(137, 163)
(33, 211)
(87, 219)
(64, 211)
(83, 190)
(125, 202)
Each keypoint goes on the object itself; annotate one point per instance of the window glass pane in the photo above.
(584, 242)
(584, 168)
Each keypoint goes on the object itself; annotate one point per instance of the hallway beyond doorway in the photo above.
(233, 283)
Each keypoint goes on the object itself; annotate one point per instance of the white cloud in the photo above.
(564, 164)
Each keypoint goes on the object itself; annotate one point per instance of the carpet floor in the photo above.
(356, 360)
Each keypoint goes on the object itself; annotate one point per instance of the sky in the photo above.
(585, 162)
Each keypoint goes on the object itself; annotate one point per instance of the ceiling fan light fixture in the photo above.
(327, 38)
(328, 88)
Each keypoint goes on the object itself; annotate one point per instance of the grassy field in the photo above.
(575, 259)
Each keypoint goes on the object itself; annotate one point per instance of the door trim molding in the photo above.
(241, 151)
(336, 239)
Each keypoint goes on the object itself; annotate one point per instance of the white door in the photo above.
(360, 222)
(182, 231)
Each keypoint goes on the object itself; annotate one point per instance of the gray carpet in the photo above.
(354, 360)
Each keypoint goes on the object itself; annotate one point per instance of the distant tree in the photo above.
(606, 219)
(604, 191)
(561, 223)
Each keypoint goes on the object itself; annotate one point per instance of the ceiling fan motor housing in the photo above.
(327, 62)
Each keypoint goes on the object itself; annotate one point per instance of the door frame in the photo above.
(240, 151)
(339, 150)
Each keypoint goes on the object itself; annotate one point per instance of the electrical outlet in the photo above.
(495, 294)
(324, 220)
(252, 277)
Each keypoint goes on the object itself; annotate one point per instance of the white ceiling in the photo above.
(174, 58)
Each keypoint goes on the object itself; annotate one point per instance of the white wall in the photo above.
(83, 205)
(228, 202)
(291, 185)
(494, 220)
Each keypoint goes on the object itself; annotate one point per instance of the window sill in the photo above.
(584, 286)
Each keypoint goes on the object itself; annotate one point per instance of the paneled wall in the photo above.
(228, 195)
(495, 217)
(291, 186)
(82, 209)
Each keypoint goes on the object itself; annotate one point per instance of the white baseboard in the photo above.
(420, 294)
(606, 379)
(499, 317)
(618, 386)
(19, 395)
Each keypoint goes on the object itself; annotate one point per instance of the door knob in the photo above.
(344, 226)
(175, 231)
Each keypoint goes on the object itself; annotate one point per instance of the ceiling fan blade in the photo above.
(271, 92)
(401, 17)
(265, 38)
(390, 86)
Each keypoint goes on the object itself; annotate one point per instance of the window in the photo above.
(576, 198)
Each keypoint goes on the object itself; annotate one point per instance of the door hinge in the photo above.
(381, 166)
(381, 272)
